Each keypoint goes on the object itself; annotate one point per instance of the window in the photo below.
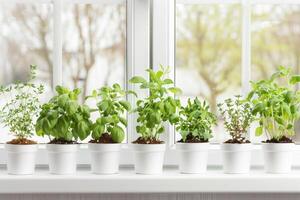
(222, 45)
(76, 44)
(208, 56)
(26, 38)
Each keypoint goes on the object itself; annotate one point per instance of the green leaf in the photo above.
(123, 121)
(258, 131)
(295, 79)
(168, 81)
(125, 105)
(175, 90)
(137, 79)
(117, 134)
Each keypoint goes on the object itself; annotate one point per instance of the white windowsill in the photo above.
(214, 181)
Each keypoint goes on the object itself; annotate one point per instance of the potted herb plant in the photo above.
(64, 121)
(19, 115)
(195, 126)
(276, 104)
(108, 129)
(153, 111)
(237, 115)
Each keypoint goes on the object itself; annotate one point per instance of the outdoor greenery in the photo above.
(22, 106)
(159, 107)
(111, 108)
(196, 120)
(63, 118)
(276, 103)
(237, 115)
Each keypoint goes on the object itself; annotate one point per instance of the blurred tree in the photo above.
(275, 39)
(97, 32)
(208, 39)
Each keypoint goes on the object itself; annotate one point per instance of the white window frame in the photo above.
(150, 42)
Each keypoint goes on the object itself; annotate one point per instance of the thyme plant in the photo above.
(237, 115)
(21, 108)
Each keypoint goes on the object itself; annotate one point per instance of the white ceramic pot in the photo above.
(192, 157)
(21, 158)
(105, 158)
(148, 158)
(278, 157)
(236, 158)
(62, 158)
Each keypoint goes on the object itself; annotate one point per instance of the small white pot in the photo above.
(192, 157)
(62, 158)
(278, 157)
(148, 158)
(236, 158)
(21, 158)
(105, 158)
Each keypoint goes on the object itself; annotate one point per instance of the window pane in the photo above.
(94, 45)
(25, 38)
(275, 41)
(208, 57)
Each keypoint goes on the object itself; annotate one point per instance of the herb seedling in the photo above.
(276, 104)
(22, 108)
(237, 115)
(109, 126)
(196, 121)
(157, 108)
(63, 118)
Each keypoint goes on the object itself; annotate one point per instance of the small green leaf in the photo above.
(258, 131)
(137, 79)
(175, 90)
(295, 79)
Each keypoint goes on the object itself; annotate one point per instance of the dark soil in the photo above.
(191, 139)
(22, 141)
(105, 138)
(236, 141)
(283, 139)
(141, 140)
(62, 141)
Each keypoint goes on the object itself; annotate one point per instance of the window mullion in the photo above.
(163, 44)
(57, 43)
(138, 51)
(246, 48)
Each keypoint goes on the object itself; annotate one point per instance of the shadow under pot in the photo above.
(278, 157)
(62, 158)
(192, 157)
(105, 158)
(148, 158)
(21, 158)
(236, 158)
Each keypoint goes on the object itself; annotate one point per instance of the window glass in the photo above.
(94, 43)
(94, 47)
(208, 54)
(275, 41)
(25, 38)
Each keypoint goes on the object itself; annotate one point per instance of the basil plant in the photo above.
(196, 121)
(63, 118)
(276, 104)
(159, 107)
(111, 107)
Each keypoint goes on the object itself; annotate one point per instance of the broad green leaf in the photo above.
(137, 79)
(258, 131)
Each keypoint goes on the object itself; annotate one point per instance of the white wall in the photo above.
(150, 197)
